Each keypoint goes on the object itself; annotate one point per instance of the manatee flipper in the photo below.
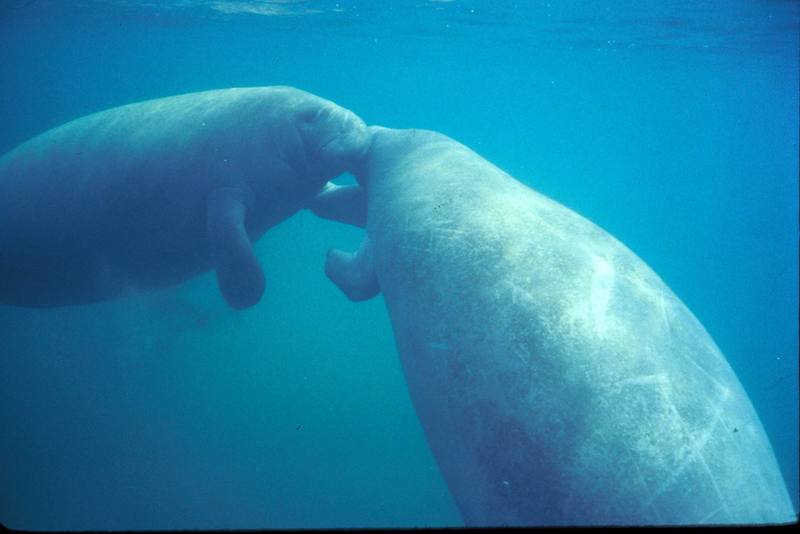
(342, 203)
(353, 272)
(240, 277)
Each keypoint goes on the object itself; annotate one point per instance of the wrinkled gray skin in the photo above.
(153, 193)
(558, 380)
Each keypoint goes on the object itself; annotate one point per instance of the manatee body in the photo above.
(559, 381)
(153, 193)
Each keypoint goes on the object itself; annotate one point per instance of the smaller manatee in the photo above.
(151, 194)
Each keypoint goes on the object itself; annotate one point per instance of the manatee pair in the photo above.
(558, 380)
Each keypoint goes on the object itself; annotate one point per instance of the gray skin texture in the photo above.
(559, 381)
(153, 193)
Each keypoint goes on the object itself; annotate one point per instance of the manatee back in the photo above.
(558, 379)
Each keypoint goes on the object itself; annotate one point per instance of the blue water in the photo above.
(672, 124)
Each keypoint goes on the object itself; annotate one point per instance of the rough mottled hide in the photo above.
(153, 193)
(558, 380)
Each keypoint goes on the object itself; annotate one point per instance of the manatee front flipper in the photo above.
(353, 272)
(342, 203)
(239, 275)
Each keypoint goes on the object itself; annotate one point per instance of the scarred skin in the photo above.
(150, 194)
(559, 381)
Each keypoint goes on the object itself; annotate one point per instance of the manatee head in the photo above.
(333, 139)
(388, 148)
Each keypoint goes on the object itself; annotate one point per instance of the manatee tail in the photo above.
(353, 272)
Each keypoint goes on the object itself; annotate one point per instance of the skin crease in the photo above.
(559, 381)
(151, 194)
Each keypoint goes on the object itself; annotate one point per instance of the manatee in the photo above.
(558, 380)
(151, 194)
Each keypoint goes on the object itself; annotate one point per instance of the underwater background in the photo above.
(671, 124)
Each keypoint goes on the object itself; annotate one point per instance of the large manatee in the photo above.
(559, 381)
(150, 194)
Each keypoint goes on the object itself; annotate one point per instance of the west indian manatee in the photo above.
(150, 194)
(559, 381)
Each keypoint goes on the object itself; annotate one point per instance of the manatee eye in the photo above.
(308, 115)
